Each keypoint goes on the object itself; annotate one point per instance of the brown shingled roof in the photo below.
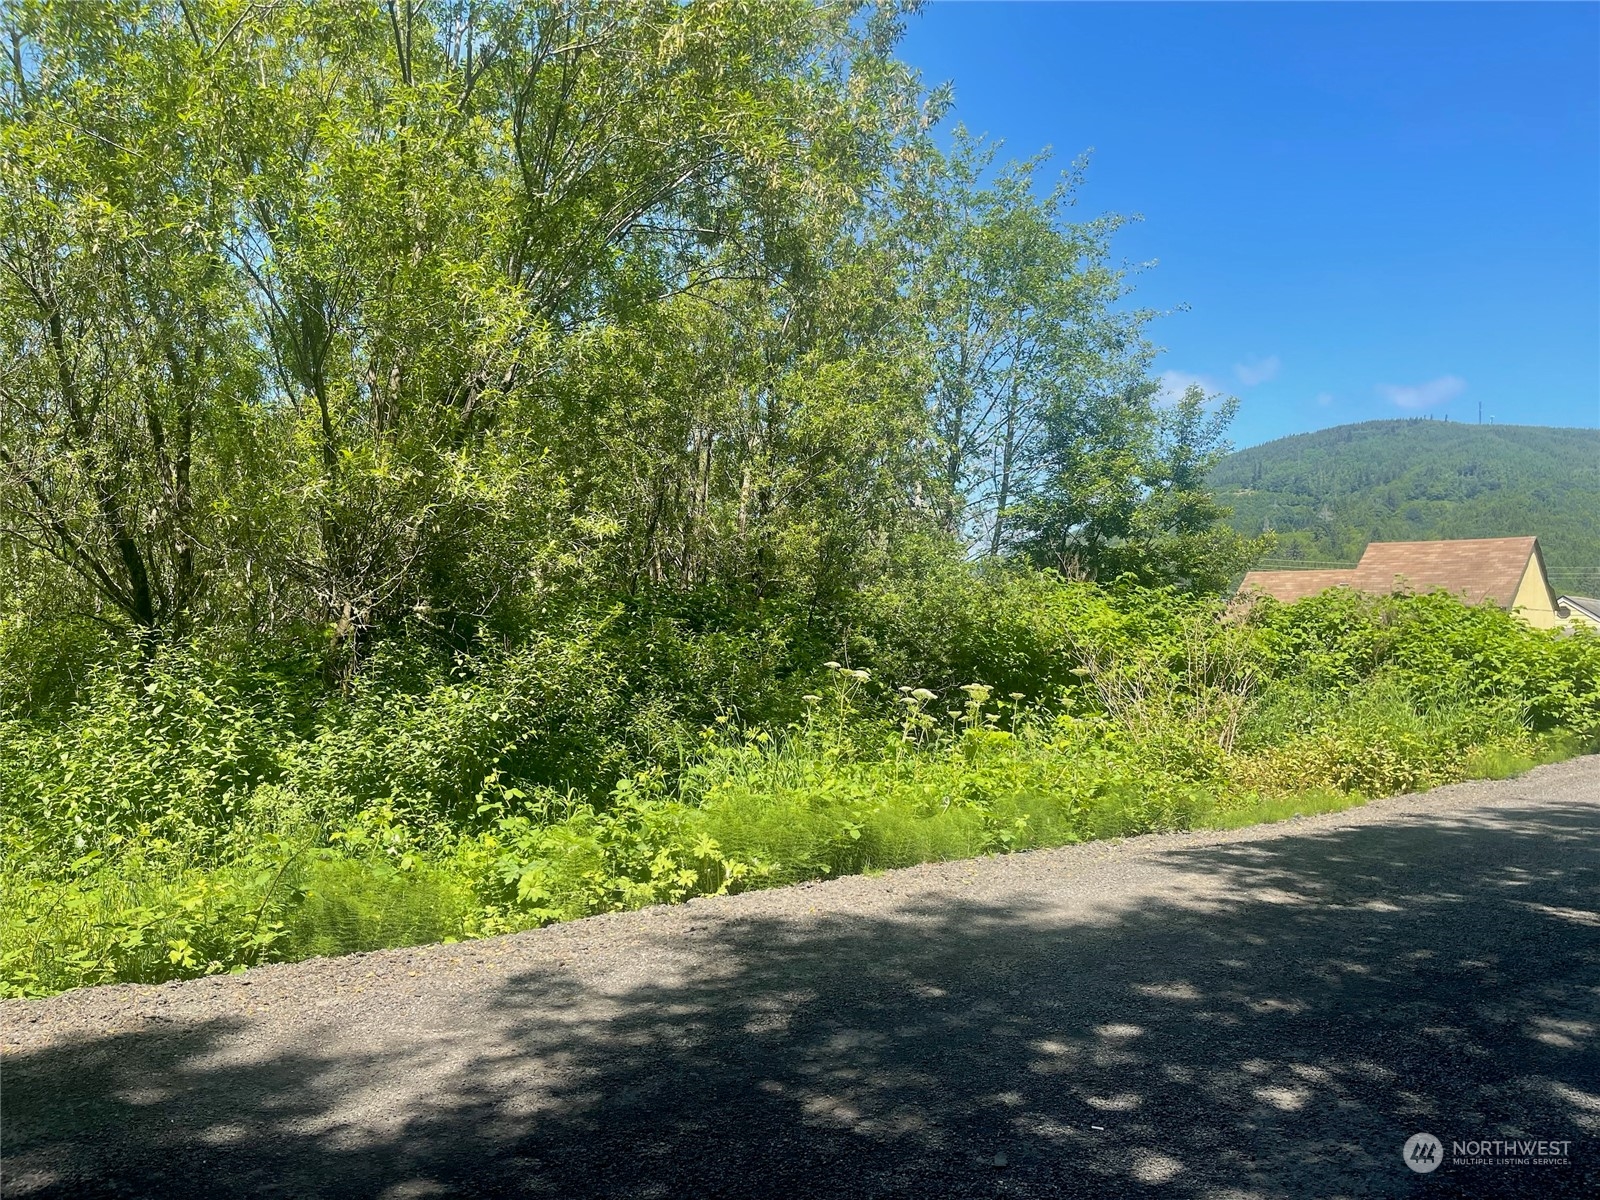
(1289, 586)
(1477, 569)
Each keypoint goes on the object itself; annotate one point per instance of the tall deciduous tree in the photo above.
(1124, 489)
(124, 358)
(1023, 315)
(382, 242)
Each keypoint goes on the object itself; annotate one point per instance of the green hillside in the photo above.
(1327, 494)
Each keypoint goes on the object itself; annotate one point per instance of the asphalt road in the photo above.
(1267, 1013)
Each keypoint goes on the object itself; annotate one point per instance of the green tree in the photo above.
(1126, 491)
(1021, 309)
(297, 295)
(124, 360)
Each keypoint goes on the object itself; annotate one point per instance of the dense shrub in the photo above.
(195, 809)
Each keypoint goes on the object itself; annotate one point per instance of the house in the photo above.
(1507, 572)
(1579, 610)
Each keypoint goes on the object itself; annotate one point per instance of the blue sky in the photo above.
(1371, 210)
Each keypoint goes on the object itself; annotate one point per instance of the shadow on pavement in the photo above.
(1275, 1026)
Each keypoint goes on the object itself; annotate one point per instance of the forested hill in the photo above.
(1327, 494)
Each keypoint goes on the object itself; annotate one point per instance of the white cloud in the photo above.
(1423, 395)
(1175, 383)
(1257, 370)
(1324, 399)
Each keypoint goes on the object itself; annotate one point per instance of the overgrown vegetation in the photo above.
(464, 466)
(189, 814)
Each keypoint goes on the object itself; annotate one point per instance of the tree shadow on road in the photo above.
(1274, 1022)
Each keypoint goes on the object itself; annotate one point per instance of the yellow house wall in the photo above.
(1533, 598)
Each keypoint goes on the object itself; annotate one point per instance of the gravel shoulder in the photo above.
(1262, 1012)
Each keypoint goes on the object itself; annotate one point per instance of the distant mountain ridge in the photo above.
(1327, 494)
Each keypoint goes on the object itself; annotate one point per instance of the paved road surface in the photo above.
(1267, 1013)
